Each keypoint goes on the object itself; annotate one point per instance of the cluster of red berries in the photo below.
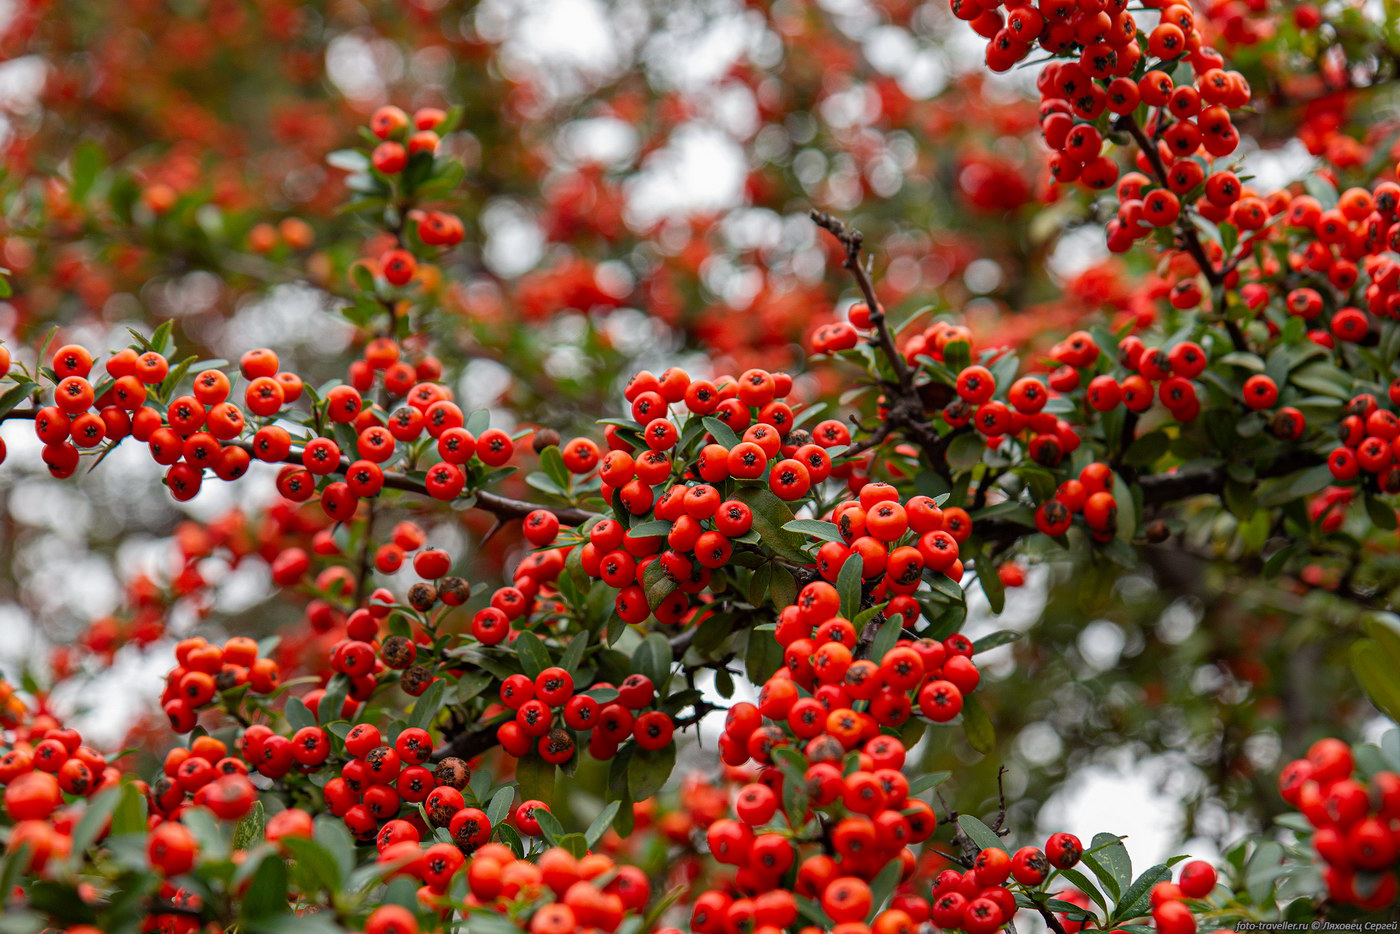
(428, 409)
(1165, 375)
(402, 140)
(873, 820)
(45, 762)
(977, 901)
(555, 893)
(203, 774)
(378, 778)
(203, 430)
(547, 709)
(1106, 50)
(1170, 913)
(1052, 438)
(821, 656)
(700, 539)
(1090, 496)
(1357, 823)
(203, 670)
(1370, 443)
(752, 407)
(895, 542)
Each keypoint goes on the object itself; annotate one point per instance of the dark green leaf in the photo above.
(653, 659)
(534, 658)
(267, 893)
(979, 833)
(978, 726)
(536, 779)
(602, 822)
(999, 638)
(817, 528)
(848, 586)
(649, 770)
(721, 432)
(426, 707)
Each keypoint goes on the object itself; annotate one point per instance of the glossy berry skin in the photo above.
(1063, 850)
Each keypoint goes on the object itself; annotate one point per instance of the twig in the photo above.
(852, 240)
(1186, 231)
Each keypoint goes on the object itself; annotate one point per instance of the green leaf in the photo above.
(945, 586)
(601, 823)
(297, 714)
(848, 586)
(499, 807)
(770, 514)
(317, 868)
(573, 653)
(267, 893)
(536, 779)
(349, 160)
(886, 637)
(15, 395)
(426, 707)
(362, 277)
(981, 736)
(994, 640)
(1381, 515)
(1082, 883)
(1108, 859)
(1136, 900)
(762, 656)
(882, 887)
(334, 837)
(979, 833)
(783, 587)
(1147, 449)
(160, 339)
(88, 159)
(129, 816)
(534, 658)
(94, 819)
(826, 531)
(721, 432)
(1376, 674)
(575, 843)
(550, 827)
(926, 781)
(663, 904)
(965, 452)
(653, 659)
(1263, 870)
(249, 831)
(333, 700)
(992, 587)
(552, 463)
(649, 770)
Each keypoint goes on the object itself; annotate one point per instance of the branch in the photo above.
(503, 507)
(1185, 230)
(468, 745)
(852, 240)
(1159, 489)
(1052, 922)
(909, 404)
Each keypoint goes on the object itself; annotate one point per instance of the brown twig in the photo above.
(852, 240)
(909, 403)
(1185, 230)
